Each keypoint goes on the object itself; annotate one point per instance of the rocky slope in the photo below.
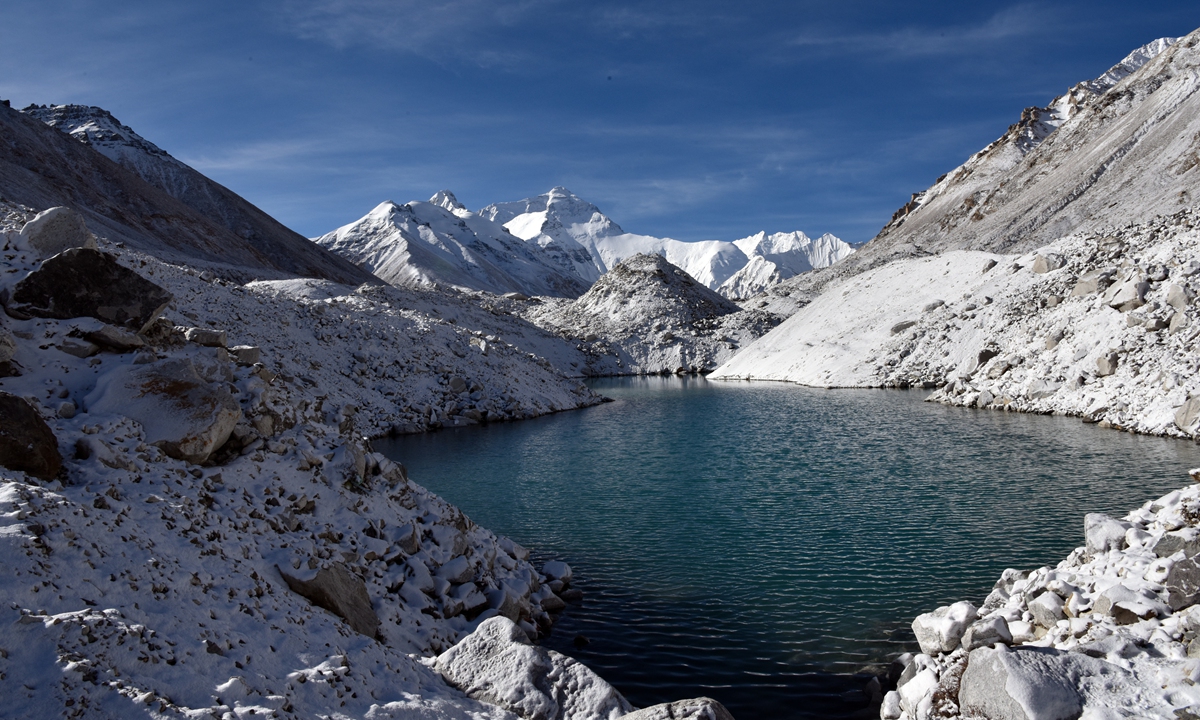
(1116, 149)
(194, 524)
(134, 192)
(1099, 325)
(587, 242)
(441, 242)
(1111, 631)
(646, 316)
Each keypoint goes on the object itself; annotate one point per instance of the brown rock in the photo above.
(26, 441)
(340, 592)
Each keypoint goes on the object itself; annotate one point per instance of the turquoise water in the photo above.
(767, 544)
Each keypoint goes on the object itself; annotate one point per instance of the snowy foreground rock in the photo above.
(1112, 632)
(193, 523)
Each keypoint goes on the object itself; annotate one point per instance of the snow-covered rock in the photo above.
(702, 708)
(1113, 636)
(54, 230)
(497, 664)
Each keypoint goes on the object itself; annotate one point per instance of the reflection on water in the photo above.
(761, 543)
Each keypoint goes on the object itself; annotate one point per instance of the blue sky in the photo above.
(694, 120)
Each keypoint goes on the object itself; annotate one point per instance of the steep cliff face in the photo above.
(134, 191)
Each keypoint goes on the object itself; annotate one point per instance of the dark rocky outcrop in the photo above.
(89, 283)
(26, 441)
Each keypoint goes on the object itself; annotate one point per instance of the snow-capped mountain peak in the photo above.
(445, 199)
(98, 128)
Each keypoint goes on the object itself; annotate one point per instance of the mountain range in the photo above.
(568, 243)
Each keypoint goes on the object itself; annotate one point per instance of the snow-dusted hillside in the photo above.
(238, 224)
(1111, 150)
(441, 242)
(193, 524)
(584, 239)
(646, 316)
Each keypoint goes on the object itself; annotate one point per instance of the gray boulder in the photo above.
(1106, 365)
(55, 230)
(1177, 297)
(1034, 683)
(1042, 388)
(1047, 609)
(115, 339)
(1091, 282)
(1103, 533)
(188, 417)
(987, 632)
(89, 283)
(1188, 415)
(940, 631)
(701, 708)
(27, 443)
(246, 354)
(339, 591)
(1183, 583)
(206, 337)
(902, 326)
(1187, 540)
(1045, 263)
(496, 664)
(1129, 295)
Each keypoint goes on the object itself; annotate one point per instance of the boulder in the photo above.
(115, 339)
(1188, 414)
(459, 570)
(1183, 583)
(1129, 295)
(1042, 388)
(1025, 683)
(902, 326)
(8, 345)
(206, 337)
(496, 664)
(89, 283)
(1103, 533)
(933, 306)
(458, 385)
(246, 354)
(1187, 540)
(55, 230)
(1091, 282)
(558, 570)
(987, 632)
(1047, 609)
(1127, 606)
(339, 591)
(27, 443)
(701, 708)
(1178, 322)
(1177, 297)
(179, 411)
(1045, 263)
(1107, 364)
(940, 631)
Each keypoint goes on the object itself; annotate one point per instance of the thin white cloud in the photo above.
(439, 30)
(1018, 21)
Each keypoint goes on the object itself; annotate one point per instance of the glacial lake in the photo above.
(768, 544)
